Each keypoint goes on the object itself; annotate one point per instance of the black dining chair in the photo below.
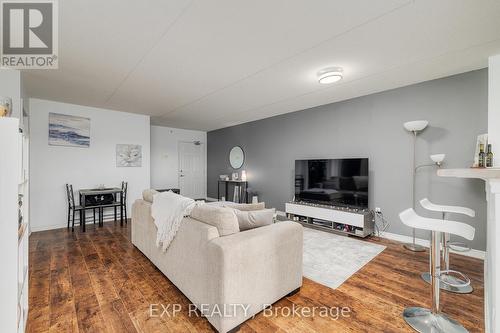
(116, 203)
(73, 208)
(123, 207)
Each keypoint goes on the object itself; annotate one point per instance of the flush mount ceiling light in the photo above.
(330, 75)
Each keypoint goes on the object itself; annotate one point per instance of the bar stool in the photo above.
(453, 281)
(432, 320)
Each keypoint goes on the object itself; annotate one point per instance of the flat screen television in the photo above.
(335, 182)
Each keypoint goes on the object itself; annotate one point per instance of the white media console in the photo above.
(359, 222)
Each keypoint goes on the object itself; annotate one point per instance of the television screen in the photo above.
(336, 182)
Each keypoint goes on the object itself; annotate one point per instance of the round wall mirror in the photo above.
(236, 157)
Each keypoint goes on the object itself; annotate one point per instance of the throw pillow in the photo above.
(222, 218)
(255, 218)
(246, 207)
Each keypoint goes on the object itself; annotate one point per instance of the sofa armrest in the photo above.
(254, 268)
(141, 224)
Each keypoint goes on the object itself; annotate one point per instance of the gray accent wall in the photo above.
(371, 126)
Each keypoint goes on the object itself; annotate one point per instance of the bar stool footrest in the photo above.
(458, 276)
(464, 290)
(458, 247)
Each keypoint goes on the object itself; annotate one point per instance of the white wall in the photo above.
(53, 166)
(165, 155)
(494, 107)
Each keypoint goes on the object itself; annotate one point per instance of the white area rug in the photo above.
(331, 259)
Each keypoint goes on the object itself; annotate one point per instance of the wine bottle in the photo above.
(482, 157)
(489, 157)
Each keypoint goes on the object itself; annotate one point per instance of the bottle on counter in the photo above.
(482, 156)
(489, 157)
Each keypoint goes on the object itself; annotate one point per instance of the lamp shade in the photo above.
(415, 125)
(438, 158)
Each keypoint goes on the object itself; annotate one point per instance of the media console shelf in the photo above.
(359, 222)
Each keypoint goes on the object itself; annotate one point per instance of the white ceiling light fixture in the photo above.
(330, 75)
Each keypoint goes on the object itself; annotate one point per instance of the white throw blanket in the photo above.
(168, 210)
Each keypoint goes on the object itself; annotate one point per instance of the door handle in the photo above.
(181, 175)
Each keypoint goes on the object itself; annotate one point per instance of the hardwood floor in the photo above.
(99, 282)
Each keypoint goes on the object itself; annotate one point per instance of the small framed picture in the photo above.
(128, 155)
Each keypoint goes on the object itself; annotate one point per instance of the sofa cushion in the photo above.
(245, 207)
(224, 219)
(147, 195)
(255, 218)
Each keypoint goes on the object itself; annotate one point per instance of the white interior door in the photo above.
(192, 170)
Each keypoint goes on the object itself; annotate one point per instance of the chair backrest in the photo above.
(411, 219)
(70, 194)
(446, 209)
(124, 190)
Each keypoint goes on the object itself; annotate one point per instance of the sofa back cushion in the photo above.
(245, 207)
(224, 219)
(254, 218)
(147, 195)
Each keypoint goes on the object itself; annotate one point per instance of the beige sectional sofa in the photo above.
(238, 273)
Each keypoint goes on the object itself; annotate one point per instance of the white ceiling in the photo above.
(208, 64)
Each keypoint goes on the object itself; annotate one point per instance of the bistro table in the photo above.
(96, 192)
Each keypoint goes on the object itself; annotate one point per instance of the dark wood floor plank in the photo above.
(39, 287)
(38, 320)
(99, 282)
(63, 314)
(63, 319)
(117, 318)
(87, 306)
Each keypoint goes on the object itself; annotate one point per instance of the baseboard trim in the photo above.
(90, 220)
(473, 253)
(46, 227)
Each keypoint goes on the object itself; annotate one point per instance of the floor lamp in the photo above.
(415, 127)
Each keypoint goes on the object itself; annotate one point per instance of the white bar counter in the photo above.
(491, 176)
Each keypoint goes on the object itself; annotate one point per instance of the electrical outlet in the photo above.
(378, 210)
